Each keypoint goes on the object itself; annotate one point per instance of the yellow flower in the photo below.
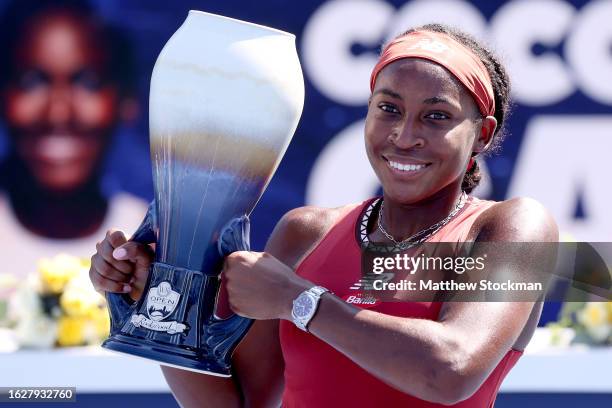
(79, 297)
(57, 271)
(101, 322)
(85, 263)
(609, 309)
(593, 314)
(70, 331)
(77, 302)
(594, 318)
(97, 326)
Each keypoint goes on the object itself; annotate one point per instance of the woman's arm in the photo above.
(442, 361)
(257, 363)
(447, 360)
(257, 379)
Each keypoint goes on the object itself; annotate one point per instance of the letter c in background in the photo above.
(326, 47)
(589, 51)
(519, 25)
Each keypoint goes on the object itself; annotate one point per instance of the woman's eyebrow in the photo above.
(387, 92)
(437, 99)
(440, 99)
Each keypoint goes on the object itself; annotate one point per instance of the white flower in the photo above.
(8, 284)
(36, 331)
(80, 297)
(25, 302)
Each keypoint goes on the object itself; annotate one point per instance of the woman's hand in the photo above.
(120, 266)
(259, 286)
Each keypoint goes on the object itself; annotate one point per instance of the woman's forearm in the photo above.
(200, 390)
(416, 356)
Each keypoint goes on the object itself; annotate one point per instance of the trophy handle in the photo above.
(235, 236)
(145, 233)
(223, 335)
(120, 305)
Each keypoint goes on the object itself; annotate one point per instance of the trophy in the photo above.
(225, 100)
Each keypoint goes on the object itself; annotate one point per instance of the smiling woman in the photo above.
(65, 86)
(416, 135)
(438, 100)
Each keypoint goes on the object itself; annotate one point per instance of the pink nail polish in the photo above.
(119, 253)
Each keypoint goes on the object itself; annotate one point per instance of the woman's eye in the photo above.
(388, 108)
(88, 79)
(437, 116)
(31, 79)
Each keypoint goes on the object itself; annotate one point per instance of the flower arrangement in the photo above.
(590, 321)
(58, 306)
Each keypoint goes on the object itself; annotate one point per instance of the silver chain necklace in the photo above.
(424, 234)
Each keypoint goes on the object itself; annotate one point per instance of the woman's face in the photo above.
(59, 108)
(421, 129)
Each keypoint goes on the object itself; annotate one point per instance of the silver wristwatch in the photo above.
(305, 306)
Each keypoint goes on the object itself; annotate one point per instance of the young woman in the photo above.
(438, 100)
(65, 86)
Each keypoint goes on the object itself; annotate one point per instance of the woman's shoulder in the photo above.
(519, 219)
(301, 228)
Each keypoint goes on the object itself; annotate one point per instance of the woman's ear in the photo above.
(485, 134)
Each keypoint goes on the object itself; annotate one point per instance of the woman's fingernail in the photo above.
(119, 253)
(127, 288)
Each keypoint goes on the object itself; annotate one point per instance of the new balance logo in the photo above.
(367, 281)
(429, 45)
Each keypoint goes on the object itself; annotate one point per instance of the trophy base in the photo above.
(168, 356)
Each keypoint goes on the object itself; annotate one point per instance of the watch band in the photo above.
(318, 290)
(315, 294)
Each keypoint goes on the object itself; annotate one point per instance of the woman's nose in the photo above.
(60, 105)
(407, 136)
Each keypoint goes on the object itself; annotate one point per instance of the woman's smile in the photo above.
(405, 167)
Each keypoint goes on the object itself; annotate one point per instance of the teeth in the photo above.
(406, 167)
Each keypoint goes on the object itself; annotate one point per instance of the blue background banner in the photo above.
(557, 149)
(558, 143)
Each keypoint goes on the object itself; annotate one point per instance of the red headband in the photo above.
(442, 49)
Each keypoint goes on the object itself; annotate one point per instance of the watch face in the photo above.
(303, 306)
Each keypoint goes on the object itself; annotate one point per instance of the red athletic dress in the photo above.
(316, 375)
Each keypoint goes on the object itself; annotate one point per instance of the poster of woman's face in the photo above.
(61, 103)
(66, 91)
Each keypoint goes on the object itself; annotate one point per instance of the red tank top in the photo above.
(316, 375)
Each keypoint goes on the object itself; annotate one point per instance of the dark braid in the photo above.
(501, 91)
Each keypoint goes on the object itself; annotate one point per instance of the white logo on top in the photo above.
(161, 302)
(430, 45)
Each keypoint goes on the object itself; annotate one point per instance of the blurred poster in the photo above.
(66, 82)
